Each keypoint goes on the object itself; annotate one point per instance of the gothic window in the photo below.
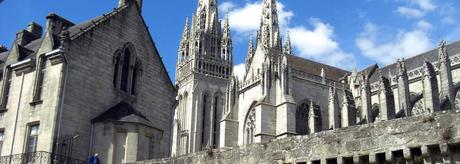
(418, 108)
(301, 119)
(6, 87)
(314, 118)
(204, 120)
(136, 72)
(215, 122)
(249, 127)
(40, 74)
(125, 71)
(375, 113)
(457, 101)
(116, 70)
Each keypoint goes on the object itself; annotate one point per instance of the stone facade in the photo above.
(283, 96)
(95, 87)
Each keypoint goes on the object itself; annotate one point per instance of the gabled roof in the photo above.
(123, 112)
(314, 68)
(79, 29)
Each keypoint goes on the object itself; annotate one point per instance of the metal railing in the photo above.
(39, 157)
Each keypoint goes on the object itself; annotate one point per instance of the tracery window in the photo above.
(249, 127)
(301, 119)
(126, 70)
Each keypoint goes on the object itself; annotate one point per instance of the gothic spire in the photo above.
(443, 50)
(226, 42)
(287, 46)
(186, 33)
(269, 28)
(207, 15)
(251, 51)
(226, 32)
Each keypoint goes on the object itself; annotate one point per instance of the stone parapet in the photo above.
(431, 138)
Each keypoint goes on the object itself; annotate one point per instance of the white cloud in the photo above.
(404, 45)
(246, 20)
(424, 25)
(426, 5)
(410, 12)
(226, 7)
(318, 44)
(239, 70)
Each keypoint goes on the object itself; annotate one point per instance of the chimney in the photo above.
(56, 24)
(3, 48)
(128, 2)
(35, 29)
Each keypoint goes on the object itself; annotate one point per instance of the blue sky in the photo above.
(347, 34)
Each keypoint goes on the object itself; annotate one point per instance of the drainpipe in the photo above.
(17, 114)
(91, 140)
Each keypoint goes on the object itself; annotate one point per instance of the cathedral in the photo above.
(282, 96)
(70, 91)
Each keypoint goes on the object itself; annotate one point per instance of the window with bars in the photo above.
(32, 138)
(2, 138)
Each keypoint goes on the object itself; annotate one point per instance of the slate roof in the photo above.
(314, 68)
(79, 29)
(415, 62)
(123, 112)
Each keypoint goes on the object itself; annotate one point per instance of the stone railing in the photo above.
(40, 157)
(430, 138)
(248, 83)
(316, 79)
(417, 73)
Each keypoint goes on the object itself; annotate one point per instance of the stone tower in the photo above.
(203, 70)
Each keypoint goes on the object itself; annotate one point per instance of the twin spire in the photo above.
(269, 32)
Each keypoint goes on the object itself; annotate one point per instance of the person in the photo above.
(94, 159)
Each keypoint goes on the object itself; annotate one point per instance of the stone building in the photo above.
(204, 66)
(71, 90)
(282, 96)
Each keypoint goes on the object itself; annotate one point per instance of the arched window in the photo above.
(204, 121)
(215, 122)
(116, 70)
(301, 119)
(314, 118)
(249, 127)
(125, 70)
(136, 72)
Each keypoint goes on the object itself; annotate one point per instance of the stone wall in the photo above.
(90, 90)
(432, 138)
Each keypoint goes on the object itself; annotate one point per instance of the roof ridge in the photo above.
(320, 63)
(98, 21)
